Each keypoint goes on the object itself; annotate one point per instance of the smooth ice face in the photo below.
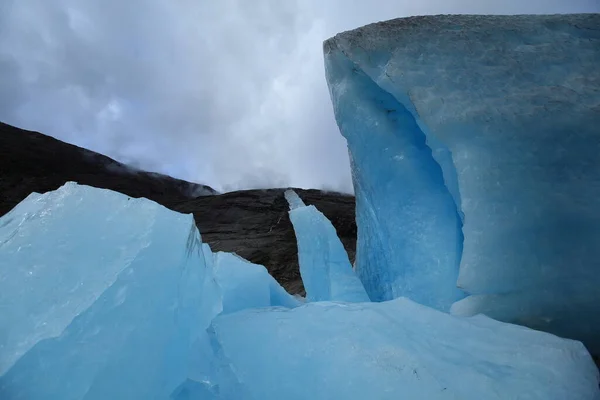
(508, 106)
(293, 199)
(398, 349)
(245, 285)
(53, 265)
(324, 265)
(409, 231)
(108, 294)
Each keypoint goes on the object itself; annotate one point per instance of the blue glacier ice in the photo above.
(409, 230)
(324, 265)
(397, 350)
(245, 285)
(41, 261)
(497, 118)
(193, 390)
(107, 297)
(240, 285)
(293, 199)
(102, 296)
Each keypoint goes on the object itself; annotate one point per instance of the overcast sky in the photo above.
(230, 93)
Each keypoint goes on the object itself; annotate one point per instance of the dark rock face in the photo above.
(32, 162)
(255, 224)
(252, 223)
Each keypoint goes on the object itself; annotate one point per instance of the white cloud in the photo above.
(230, 93)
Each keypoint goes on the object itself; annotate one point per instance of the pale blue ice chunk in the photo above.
(120, 281)
(509, 108)
(324, 265)
(398, 349)
(293, 199)
(54, 261)
(247, 285)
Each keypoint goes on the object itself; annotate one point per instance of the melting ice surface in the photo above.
(140, 308)
(246, 285)
(102, 296)
(55, 264)
(496, 117)
(409, 231)
(324, 265)
(397, 350)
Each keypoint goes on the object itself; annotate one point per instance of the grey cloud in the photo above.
(230, 93)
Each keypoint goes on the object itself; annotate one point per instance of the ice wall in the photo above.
(506, 108)
(324, 265)
(409, 230)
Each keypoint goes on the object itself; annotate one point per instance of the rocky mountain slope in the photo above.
(251, 223)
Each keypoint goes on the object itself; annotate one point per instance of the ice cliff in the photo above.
(474, 142)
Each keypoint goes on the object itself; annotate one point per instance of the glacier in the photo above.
(324, 265)
(112, 297)
(246, 285)
(397, 349)
(67, 278)
(104, 296)
(474, 144)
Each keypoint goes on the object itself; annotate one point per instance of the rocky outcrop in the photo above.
(251, 223)
(255, 224)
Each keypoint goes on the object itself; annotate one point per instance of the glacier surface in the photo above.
(397, 349)
(485, 125)
(140, 308)
(324, 265)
